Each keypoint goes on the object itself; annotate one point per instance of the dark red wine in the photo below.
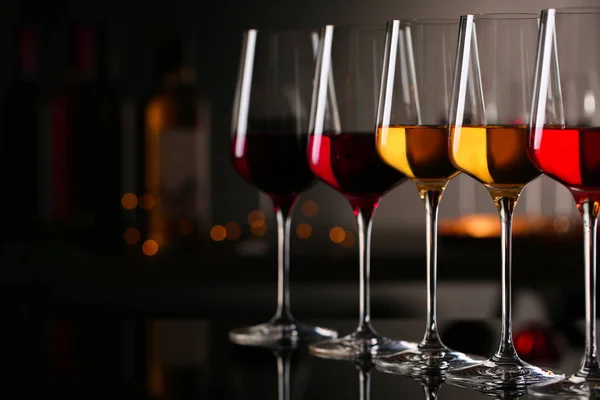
(571, 156)
(274, 163)
(349, 163)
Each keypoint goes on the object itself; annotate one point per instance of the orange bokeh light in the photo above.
(150, 247)
(218, 233)
(337, 234)
(304, 231)
(129, 201)
(310, 208)
(259, 230)
(256, 218)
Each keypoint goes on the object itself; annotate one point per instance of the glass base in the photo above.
(276, 333)
(359, 344)
(496, 373)
(574, 387)
(422, 361)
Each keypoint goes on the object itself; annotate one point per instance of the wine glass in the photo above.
(269, 136)
(412, 137)
(342, 153)
(488, 141)
(565, 135)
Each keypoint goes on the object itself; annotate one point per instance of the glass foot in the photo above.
(500, 374)
(275, 333)
(358, 345)
(574, 387)
(420, 361)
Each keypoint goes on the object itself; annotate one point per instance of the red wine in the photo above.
(349, 163)
(274, 163)
(572, 157)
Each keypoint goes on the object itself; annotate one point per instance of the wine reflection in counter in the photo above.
(431, 383)
(256, 360)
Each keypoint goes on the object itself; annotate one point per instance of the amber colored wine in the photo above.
(494, 155)
(419, 152)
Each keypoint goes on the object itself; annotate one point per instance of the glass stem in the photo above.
(506, 206)
(364, 219)
(284, 222)
(364, 379)
(283, 376)
(432, 200)
(589, 211)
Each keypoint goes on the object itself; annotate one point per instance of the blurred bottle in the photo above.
(19, 125)
(176, 151)
(98, 139)
(66, 108)
(83, 150)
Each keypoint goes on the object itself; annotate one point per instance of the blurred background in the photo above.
(86, 88)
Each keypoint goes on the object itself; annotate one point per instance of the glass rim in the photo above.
(357, 27)
(500, 16)
(282, 30)
(578, 10)
(428, 21)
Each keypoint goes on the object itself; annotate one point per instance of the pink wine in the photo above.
(572, 157)
(349, 163)
(274, 163)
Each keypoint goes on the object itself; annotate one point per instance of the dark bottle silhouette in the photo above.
(84, 146)
(19, 127)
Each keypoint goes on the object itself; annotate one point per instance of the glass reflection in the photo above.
(431, 384)
(283, 357)
(505, 394)
(364, 366)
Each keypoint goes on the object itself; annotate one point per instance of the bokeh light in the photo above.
(337, 234)
(304, 231)
(150, 247)
(129, 201)
(147, 201)
(256, 218)
(259, 230)
(218, 233)
(310, 208)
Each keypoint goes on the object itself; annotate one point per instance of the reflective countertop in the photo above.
(102, 356)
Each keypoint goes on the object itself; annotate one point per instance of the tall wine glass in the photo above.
(412, 137)
(342, 153)
(488, 141)
(565, 145)
(269, 136)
